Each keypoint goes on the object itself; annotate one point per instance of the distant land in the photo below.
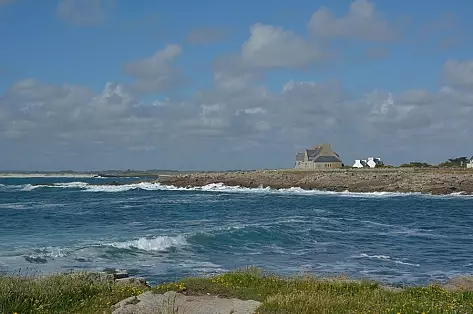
(431, 180)
(436, 181)
(103, 173)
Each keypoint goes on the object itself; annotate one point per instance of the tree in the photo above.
(416, 164)
(454, 162)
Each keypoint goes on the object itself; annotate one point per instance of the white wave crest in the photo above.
(159, 244)
(148, 186)
(73, 185)
(381, 257)
(220, 187)
(387, 258)
(28, 187)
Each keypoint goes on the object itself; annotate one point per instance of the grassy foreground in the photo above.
(83, 293)
(310, 295)
(61, 293)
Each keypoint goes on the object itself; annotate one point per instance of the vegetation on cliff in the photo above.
(87, 293)
(61, 293)
(311, 295)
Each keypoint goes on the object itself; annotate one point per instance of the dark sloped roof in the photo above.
(313, 153)
(327, 159)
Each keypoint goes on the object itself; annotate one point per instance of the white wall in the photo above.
(357, 164)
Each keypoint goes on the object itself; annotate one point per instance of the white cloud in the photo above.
(236, 114)
(83, 12)
(70, 119)
(271, 47)
(361, 22)
(156, 73)
(459, 73)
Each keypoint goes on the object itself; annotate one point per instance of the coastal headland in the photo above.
(427, 181)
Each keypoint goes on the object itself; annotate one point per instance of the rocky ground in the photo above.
(177, 303)
(429, 181)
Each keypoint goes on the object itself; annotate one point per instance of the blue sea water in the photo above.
(164, 233)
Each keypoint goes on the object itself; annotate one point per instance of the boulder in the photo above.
(133, 281)
(462, 283)
(176, 303)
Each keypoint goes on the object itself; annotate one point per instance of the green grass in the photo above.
(61, 293)
(310, 295)
(86, 293)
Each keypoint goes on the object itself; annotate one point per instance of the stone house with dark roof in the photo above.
(470, 163)
(318, 157)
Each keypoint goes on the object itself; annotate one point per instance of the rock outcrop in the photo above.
(431, 181)
(176, 303)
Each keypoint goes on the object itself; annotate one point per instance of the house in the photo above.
(318, 157)
(371, 162)
(470, 163)
(360, 164)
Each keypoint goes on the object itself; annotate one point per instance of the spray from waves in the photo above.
(220, 187)
(157, 244)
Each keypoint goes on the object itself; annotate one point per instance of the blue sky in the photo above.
(220, 59)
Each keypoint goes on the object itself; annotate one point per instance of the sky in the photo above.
(219, 85)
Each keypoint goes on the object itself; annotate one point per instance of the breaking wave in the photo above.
(157, 244)
(215, 187)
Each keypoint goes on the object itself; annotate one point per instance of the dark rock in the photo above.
(133, 281)
(117, 273)
(35, 259)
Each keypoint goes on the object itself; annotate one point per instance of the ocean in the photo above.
(163, 233)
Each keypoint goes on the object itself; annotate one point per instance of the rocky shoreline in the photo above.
(426, 181)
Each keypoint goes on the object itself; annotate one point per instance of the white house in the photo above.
(370, 163)
(470, 163)
(360, 164)
(373, 162)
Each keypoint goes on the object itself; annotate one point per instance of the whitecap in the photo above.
(158, 244)
(387, 258)
(405, 263)
(28, 187)
(76, 185)
(381, 257)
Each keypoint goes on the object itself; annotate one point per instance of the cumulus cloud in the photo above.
(239, 115)
(83, 12)
(459, 73)
(361, 22)
(222, 119)
(272, 47)
(157, 72)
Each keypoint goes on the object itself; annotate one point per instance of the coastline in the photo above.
(6, 175)
(245, 291)
(394, 180)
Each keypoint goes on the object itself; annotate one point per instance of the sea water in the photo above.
(165, 233)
